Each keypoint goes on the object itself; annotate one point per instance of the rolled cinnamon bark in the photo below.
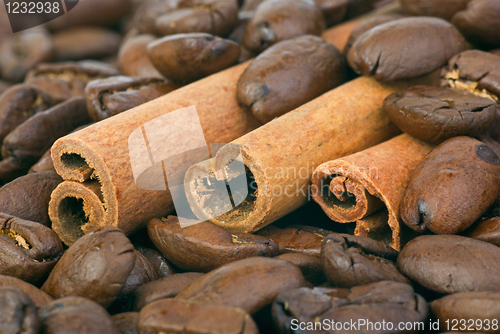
(349, 189)
(100, 187)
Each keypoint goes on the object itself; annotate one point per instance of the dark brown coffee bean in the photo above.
(435, 114)
(17, 312)
(216, 17)
(475, 308)
(28, 250)
(85, 43)
(479, 22)
(487, 230)
(23, 51)
(444, 9)
(134, 60)
(95, 266)
(451, 263)
(29, 141)
(249, 284)
(350, 261)
(376, 302)
(405, 48)
(37, 296)
(474, 71)
(307, 64)
(333, 10)
(309, 265)
(159, 262)
(177, 316)
(19, 103)
(451, 187)
(145, 16)
(142, 273)
(205, 246)
(76, 315)
(113, 95)
(189, 57)
(296, 239)
(166, 287)
(368, 24)
(127, 322)
(278, 20)
(44, 164)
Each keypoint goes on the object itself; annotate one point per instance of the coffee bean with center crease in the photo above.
(188, 57)
(96, 266)
(17, 312)
(145, 16)
(451, 263)
(278, 20)
(475, 71)
(76, 315)
(289, 74)
(29, 141)
(386, 301)
(452, 187)
(111, 96)
(350, 261)
(479, 22)
(249, 284)
(37, 296)
(127, 322)
(205, 246)
(435, 114)
(27, 197)
(444, 9)
(216, 17)
(177, 316)
(405, 48)
(28, 250)
(158, 260)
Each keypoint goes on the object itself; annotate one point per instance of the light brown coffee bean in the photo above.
(133, 58)
(17, 312)
(127, 322)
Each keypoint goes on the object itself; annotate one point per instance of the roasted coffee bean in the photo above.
(250, 5)
(127, 322)
(435, 114)
(23, 51)
(44, 164)
(474, 71)
(85, 43)
(113, 95)
(142, 273)
(350, 261)
(29, 141)
(391, 302)
(405, 48)
(216, 17)
(451, 263)
(91, 13)
(177, 316)
(28, 197)
(475, 308)
(76, 315)
(145, 17)
(249, 284)
(19, 103)
(28, 250)
(278, 20)
(479, 22)
(444, 9)
(159, 262)
(96, 266)
(487, 230)
(452, 187)
(37, 296)
(189, 57)
(205, 246)
(333, 10)
(296, 239)
(366, 25)
(309, 265)
(133, 58)
(495, 52)
(289, 74)
(18, 314)
(166, 287)
(69, 78)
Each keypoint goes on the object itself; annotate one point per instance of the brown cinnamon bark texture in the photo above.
(351, 188)
(100, 188)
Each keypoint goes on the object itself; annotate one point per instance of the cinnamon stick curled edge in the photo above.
(349, 189)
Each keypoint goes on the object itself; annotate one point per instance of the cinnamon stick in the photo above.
(351, 188)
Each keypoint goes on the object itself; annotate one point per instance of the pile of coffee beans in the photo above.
(304, 273)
